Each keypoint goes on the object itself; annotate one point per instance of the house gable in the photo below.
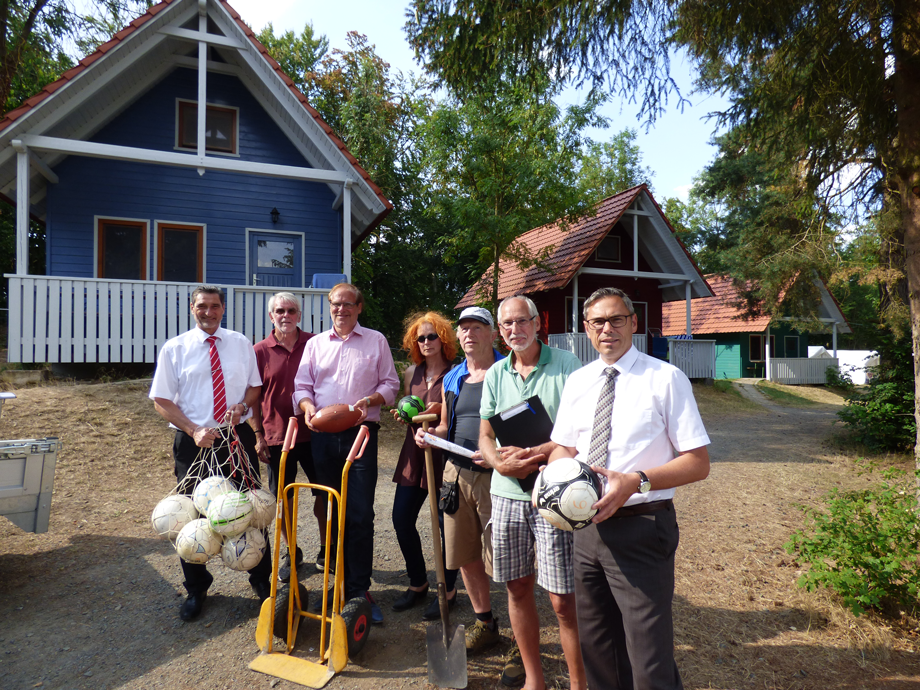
(105, 83)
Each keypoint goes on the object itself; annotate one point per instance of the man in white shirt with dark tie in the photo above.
(205, 382)
(633, 418)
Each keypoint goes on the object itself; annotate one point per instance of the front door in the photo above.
(275, 259)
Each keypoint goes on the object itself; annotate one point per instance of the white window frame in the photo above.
(236, 134)
(147, 253)
(204, 244)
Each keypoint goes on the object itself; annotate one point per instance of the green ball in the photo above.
(409, 406)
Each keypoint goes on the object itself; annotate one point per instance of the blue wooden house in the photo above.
(144, 195)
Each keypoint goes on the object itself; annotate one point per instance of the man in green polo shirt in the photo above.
(525, 547)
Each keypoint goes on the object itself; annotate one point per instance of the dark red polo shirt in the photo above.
(277, 368)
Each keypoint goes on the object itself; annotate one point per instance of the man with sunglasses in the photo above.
(527, 550)
(633, 418)
(349, 364)
(278, 357)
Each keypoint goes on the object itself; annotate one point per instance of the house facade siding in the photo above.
(225, 203)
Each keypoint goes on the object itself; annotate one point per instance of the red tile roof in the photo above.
(570, 249)
(70, 74)
(711, 314)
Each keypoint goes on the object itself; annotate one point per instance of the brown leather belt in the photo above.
(643, 508)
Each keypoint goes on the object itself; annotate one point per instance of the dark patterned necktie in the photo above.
(217, 379)
(603, 417)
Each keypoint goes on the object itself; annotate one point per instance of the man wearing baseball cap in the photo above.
(468, 546)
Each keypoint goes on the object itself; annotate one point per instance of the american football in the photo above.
(335, 418)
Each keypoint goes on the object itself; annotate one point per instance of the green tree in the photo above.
(831, 88)
(610, 167)
(502, 161)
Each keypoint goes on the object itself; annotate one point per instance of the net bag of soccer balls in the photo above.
(409, 406)
(564, 493)
(219, 516)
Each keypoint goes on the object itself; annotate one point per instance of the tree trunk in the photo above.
(905, 29)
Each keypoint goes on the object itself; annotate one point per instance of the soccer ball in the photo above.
(229, 514)
(244, 551)
(564, 493)
(208, 489)
(263, 508)
(172, 514)
(196, 543)
(409, 406)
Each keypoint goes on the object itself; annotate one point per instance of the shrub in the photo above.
(841, 379)
(864, 545)
(882, 416)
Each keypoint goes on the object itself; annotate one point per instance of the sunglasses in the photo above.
(429, 338)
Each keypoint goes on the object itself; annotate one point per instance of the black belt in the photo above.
(643, 508)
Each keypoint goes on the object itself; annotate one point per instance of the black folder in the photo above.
(524, 425)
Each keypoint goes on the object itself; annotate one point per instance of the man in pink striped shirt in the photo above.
(353, 365)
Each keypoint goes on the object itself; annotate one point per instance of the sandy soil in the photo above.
(93, 603)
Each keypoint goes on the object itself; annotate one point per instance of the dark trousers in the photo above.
(624, 587)
(406, 506)
(185, 452)
(329, 454)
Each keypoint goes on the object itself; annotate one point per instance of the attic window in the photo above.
(221, 128)
(609, 249)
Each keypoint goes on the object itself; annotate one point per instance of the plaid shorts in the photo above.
(523, 541)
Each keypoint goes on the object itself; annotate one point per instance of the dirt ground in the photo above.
(93, 603)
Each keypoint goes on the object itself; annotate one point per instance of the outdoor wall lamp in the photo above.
(275, 214)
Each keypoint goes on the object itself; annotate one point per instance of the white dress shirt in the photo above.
(183, 373)
(654, 415)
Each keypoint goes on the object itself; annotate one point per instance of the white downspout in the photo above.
(346, 230)
(689, 312)
(766, 350)
(575, 304)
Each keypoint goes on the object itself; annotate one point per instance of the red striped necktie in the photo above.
(217, 379)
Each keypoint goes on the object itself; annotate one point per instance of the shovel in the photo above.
(446, 642)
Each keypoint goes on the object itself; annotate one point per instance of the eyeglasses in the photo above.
(281, 311)
(429, 338)
(617, 321)
(342, 305)
(507, 325)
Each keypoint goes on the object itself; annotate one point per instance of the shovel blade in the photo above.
(290, 668)
(446, 663)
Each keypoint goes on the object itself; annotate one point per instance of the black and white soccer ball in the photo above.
(564, 493)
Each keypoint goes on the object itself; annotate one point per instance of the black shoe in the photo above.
(433, 612)
(409, 599)
(317, 605)
(263, 590)
(191, 607)
(284, 571)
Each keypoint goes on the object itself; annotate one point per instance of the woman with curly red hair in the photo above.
(432, 345)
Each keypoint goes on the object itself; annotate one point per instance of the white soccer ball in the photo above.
(263, 508)
(244, 551)
(172, 514)
(564, 493)
(196, 543)
(208, 489)
(229, 514)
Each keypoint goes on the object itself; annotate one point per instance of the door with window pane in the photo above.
(121, 250)
(275, 259)
(180, 253)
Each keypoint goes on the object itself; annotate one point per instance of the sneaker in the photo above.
(513, 675)
(284, 571)
(321, 561)
(480, 636)
(376, 613)
(317, 604)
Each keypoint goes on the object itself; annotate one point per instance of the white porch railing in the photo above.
(54, 319)
(800, 370)
(696, 358)
(580, 345)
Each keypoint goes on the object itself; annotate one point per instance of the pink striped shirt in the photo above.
(334, 371)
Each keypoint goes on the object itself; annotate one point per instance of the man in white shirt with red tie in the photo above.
(633, 418)
(207, 378)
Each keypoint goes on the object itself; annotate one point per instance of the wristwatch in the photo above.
(644, 484)
(245, 407)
